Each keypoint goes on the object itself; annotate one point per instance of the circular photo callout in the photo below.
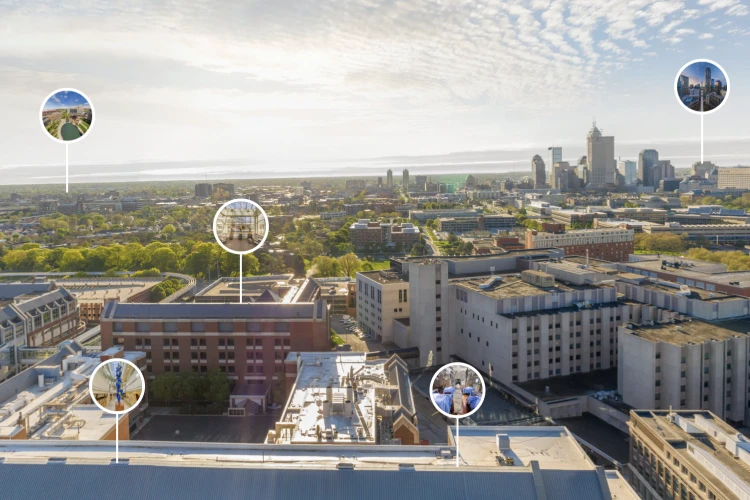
(241, 226)
(67, 115)
(702, 86)
(117, 386)
(457, 390)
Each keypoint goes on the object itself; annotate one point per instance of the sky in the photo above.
(65, 99)
(696, 73)
(334, 87)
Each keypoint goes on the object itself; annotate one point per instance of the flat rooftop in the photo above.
(384, 277)
(695, 331)
(512, 285)
(552, 447)
(59, 409)
(190, 471)
(700, 438)
(253, 287)
(695, 293)
(198, 311)
(102, 290)
(336, 396)
(576, 384)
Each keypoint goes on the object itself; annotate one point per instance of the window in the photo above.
(197, 327)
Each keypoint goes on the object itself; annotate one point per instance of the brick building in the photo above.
(614, 245)
(248, 342)
(365, 232)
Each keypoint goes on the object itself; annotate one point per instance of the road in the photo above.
(434, 250)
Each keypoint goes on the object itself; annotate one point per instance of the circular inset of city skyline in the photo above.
(66, 115)
(702, 86)
(117, 386)
(240, 226)
(457, 390)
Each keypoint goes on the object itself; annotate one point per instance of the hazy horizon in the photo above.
(330, 88)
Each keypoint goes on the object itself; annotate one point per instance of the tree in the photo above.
(168, 231)
(324, 267)
(349, 264)
(217, 386)
(72, 260)
(164, 259)
(201, 259)
(418, 249)
(164, 387)
(190, 386)
(659, 243)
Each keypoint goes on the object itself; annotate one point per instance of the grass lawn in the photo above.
(377, 265)
(336, 339)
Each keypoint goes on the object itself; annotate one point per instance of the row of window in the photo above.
(200, 326)
(141, 342)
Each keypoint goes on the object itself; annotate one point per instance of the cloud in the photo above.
(303, 75)
(706, 36)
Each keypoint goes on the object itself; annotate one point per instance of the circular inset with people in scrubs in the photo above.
(457, 390)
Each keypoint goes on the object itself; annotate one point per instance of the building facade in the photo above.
(614, 245)
(687, 455)
(686, 365)
(248, 342)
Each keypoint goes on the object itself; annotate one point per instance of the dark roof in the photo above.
(64, 482)
(268, 296)
(211, 311)
(42, 300)
(9, 291)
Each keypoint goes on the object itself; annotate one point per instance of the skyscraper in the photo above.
(647, 160)
(600, 158)
(538, 172)
(405, 181)
(683, 85)
(629, 169)
(555, 156)
(389, 179)
(708, 78)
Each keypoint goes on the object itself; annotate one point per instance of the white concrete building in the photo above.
(382, 296)
(688, 365)
(344, 398)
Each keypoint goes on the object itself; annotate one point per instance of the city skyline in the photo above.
(696, 73)
(302, 103)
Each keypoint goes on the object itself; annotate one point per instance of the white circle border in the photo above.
(88, 130)
(484, 390)
(91, 385)
(262, 241)
(702, 113)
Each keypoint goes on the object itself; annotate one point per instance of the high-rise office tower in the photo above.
(600, 158)
(389, 179)
(629, 169)
(647, 160)
(683, 85)
(405, 181)
(538, 172)
(708, 78)
(555, 156)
